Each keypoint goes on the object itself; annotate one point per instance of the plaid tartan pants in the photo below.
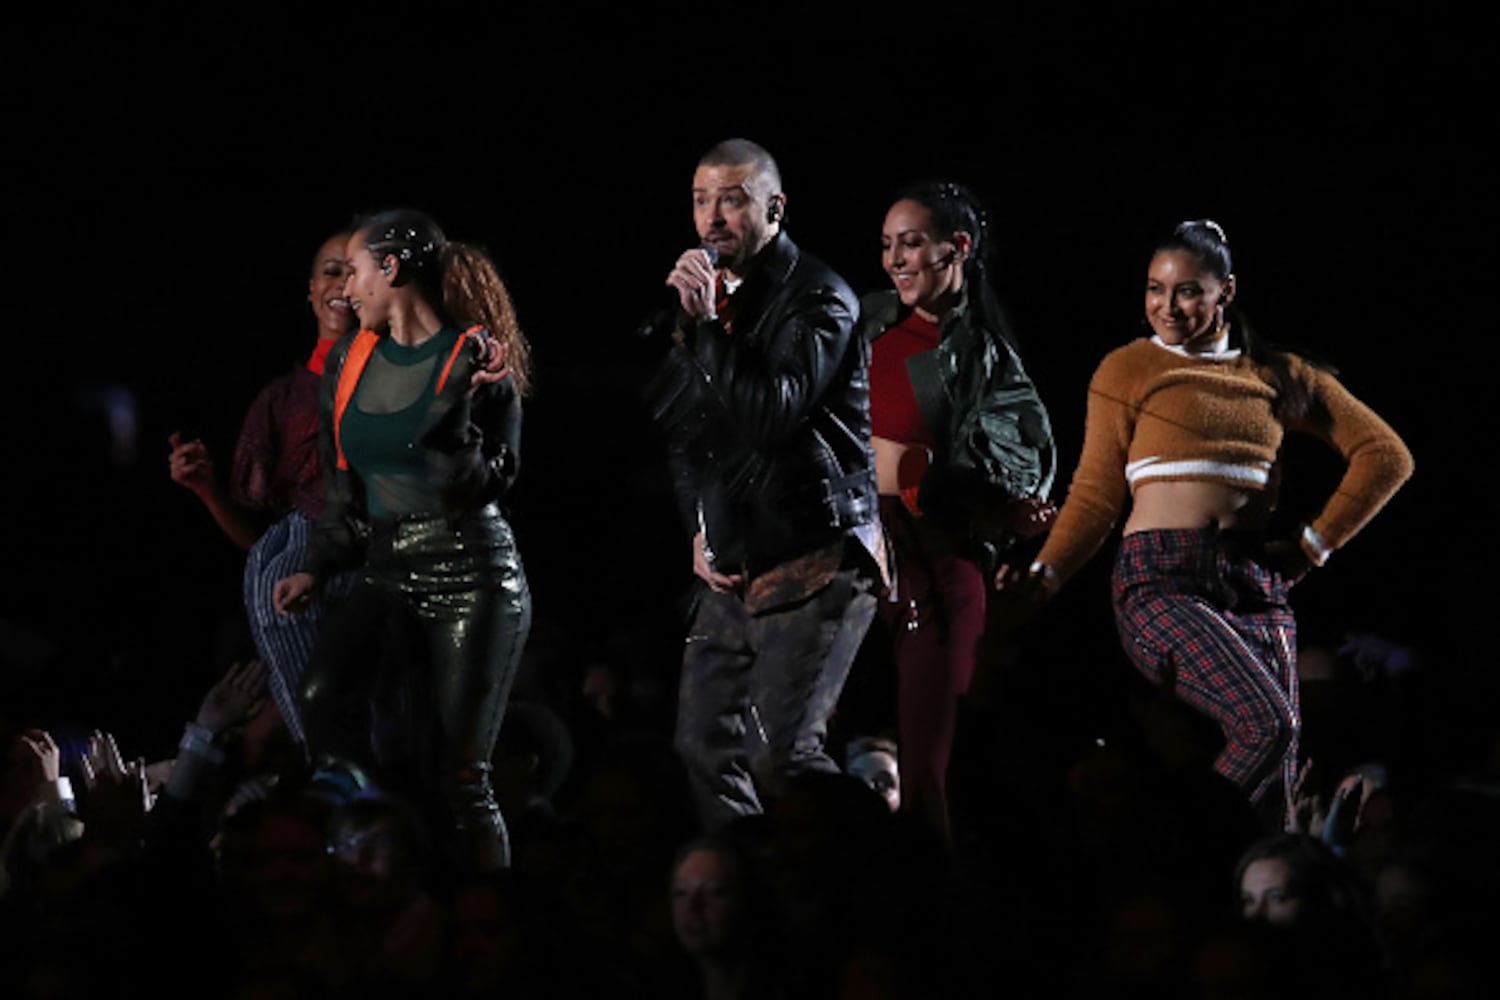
(1199, 616)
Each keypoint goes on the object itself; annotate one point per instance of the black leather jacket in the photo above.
(994, 438)
(768, 427)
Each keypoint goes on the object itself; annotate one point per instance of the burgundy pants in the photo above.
(937, 620)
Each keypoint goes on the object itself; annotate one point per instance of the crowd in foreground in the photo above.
(239, 868)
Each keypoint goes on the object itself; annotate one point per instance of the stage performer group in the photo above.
(848, 470)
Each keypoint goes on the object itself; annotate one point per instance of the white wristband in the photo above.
(198, 732)
(1313, 544)
(199, 741)
(64, 789)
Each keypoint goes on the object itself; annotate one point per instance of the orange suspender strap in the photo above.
(354, 366)
(475, 332)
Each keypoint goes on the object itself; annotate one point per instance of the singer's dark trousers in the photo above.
(757, 691)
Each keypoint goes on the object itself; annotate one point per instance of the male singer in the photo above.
(764, 401)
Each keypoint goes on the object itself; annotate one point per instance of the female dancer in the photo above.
(1186, 424)
(275, 492)
(963, 459)
(419, 457)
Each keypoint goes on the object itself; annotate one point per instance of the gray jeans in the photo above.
(757, 691)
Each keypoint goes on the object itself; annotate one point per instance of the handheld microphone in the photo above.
(664, 321)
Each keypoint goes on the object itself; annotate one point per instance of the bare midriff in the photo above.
(1183, 504)
(898, 465)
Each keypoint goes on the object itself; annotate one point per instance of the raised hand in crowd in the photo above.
(1343, 814)
(1309, 809)
(118, 795)
(235, 698)
(42, 763)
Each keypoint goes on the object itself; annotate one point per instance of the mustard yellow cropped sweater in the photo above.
(1156, 412)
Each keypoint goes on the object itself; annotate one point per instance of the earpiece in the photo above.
(773, 212)
(386, 269)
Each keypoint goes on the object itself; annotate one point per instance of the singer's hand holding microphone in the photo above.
(692, 283)
(693, 278)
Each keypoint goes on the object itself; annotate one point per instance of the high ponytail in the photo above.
(458, 279)
(473, 294)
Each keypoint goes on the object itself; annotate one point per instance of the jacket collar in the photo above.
(776, 259)
(886, 310)
(772, 268)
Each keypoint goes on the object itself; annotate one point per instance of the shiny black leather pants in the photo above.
(460, 587)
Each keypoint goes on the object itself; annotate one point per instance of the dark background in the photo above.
(171, 177)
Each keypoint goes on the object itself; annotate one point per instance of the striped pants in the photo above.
(284, 642)
(1200, 617)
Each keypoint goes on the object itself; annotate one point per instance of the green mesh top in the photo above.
(390, 406)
